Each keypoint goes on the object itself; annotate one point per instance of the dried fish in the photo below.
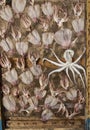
(9, 103)
(16, 34)
(53, 92)
(47, 38)
(34, 12)
(5, 89)
(47, 9)
(26, 77)
(33, 56)
(78, 8)
(39, 93)
(63, 110)
(71, 94)
(43, 81)
(64, 82)
(59, 20)
(4, 61)
(33, 104)
(18, 5)
(78, 107)
(34, 37)
(44, 24)
(11, 76)
(63, 37)
(25, 21)
(15, 91)
(23, 102)
(20, 63)
(78, 25)
(36, 70)
(22, 48)
(7, 45)
(51, 102)
(6, 13)
(2, 2)
(3, 28)
(47, 114)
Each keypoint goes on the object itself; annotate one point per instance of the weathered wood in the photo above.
(27, 129)
(88, 59)
(48, 129)
(36, 118)
(50, 124)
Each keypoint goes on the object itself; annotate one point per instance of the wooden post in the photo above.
(88, 58)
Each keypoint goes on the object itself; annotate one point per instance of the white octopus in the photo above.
(68, 65)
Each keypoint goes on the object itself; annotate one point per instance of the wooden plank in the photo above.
(88, 59)
(26, 129)
(48, 129)
(36, 118)
(68, 129)
(50, 124)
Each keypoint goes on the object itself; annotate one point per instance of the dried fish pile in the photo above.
(33, 34)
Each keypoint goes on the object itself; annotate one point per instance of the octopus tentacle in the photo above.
(79, 75)
(53, 62)
(68, 74)
(80, 67)
(57, 58)
(57, 70)
(73, 74)
(80, 56)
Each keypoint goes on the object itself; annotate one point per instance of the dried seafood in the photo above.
(63, 38)
(6, 13)
(18, 6)
(69, 65)
(29, 32)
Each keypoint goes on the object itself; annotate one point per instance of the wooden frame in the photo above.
(26, 123)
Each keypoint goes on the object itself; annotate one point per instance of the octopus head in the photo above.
(68, 55)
